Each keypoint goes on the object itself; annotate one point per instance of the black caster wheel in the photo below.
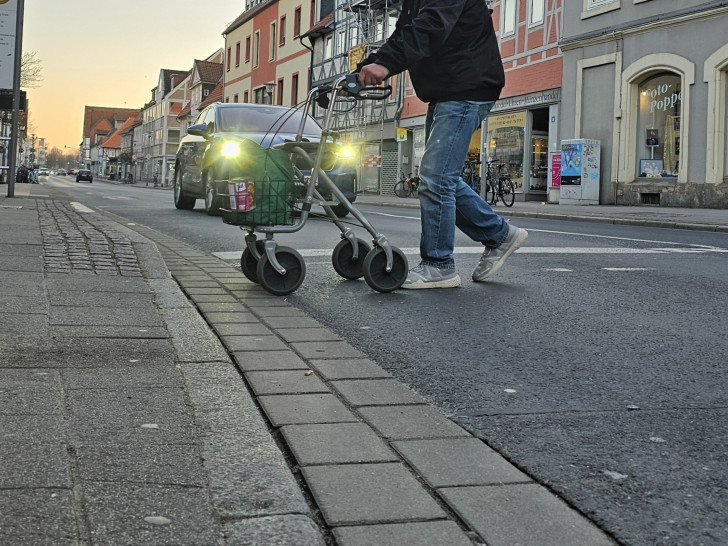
(249, 264)
(375, 270)
(343, 262)
(274, 282)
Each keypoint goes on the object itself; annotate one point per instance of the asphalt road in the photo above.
(595, 361)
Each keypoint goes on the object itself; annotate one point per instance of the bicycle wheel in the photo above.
(475, 184)
(401, 189)
(508, 192)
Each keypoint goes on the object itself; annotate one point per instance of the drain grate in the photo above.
(650, 198)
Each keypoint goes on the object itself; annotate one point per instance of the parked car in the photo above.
(62, 172)
(43, 171)
(84, 174)
(201, 159)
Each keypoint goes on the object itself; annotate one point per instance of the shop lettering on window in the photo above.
(661, 98)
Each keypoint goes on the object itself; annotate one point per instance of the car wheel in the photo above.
(212, 205)
(181, 201)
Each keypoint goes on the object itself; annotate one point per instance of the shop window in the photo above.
(505, 141)
(658, 126)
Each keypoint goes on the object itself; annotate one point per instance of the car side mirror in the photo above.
(201, 129)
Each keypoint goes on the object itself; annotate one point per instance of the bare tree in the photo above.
(30, 70)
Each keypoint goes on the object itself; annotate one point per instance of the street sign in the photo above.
(149, 156)
(401, 134)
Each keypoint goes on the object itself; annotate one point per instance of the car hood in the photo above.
(267, 140)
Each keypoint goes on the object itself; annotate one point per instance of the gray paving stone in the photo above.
(410, 422)
(354, 368)
(96, 283)
(293, 529)
(30, 392)
(21, 250)
(524, 514)
(23, 304)
(369, 493)
(285, 382)
(231, 318)
(37, 517)
(34, 463)
(99, 414)
(376, 392)
(269, 360)
(336, 443)
(17, 324)
(117, 512)
(307, 334)
(421, 533)
(305, 408)
(121, 332)
(141, 373)
(213, 298)
(255, 301)
(458, 461)
(285, 311)
(249, 476)
(222, 307)
(250, 329)
(141, 462)
(22, 263)
(103, 316)
(211, 290)
(192, 338)
(69, 298)
(254, 343)
(327, 349)
(291, 322)
(44, 352)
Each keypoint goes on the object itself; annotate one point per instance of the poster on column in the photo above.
(8, 18)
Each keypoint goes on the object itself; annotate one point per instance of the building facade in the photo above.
(648, 79)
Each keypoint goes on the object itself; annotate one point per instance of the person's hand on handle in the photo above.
(372, 74)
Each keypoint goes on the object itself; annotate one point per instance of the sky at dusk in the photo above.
(109, 53)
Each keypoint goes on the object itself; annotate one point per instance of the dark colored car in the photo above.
(84, 174)
(204, 153)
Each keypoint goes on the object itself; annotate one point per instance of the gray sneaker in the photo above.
(427, 276)
(493, 258)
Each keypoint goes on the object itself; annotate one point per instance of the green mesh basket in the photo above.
(269, 198)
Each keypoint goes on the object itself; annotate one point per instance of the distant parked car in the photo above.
(208, 152)
(62, 172)
(84, 174)
(43, 171)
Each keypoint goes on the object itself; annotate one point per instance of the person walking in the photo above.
(450, 49)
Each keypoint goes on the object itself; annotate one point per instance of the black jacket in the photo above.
(449, 48)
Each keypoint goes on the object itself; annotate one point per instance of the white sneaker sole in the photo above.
(518, 243)
(421, 285)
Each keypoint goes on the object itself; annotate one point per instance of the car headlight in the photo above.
(230, 149)
(345, 152)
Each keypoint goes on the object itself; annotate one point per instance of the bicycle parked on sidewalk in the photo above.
(407, 186)
(469, 175)
(499, 186)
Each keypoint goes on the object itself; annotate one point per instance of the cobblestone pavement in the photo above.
(71, 243)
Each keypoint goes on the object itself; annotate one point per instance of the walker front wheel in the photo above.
(343, 259)
(375, 269)
(249, 263)
(281, 284)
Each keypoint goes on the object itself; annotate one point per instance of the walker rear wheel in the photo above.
(275, 283)
(343, 259)
(248, 262)
(375, 269)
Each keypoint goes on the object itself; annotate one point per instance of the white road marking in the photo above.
(622, 269)
(559, 270)
(314, 252)
(79, 207)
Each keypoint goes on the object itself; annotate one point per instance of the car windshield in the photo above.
(263, 120)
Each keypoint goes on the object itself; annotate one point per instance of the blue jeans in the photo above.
(446, 201)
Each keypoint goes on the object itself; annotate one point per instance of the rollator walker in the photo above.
(284, 199)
